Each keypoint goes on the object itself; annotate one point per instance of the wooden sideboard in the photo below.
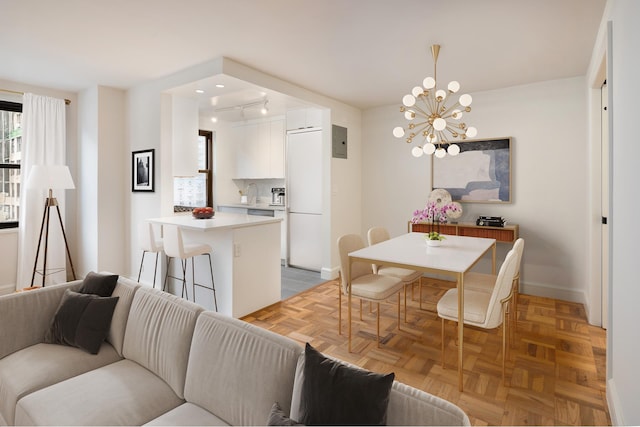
(506, 234)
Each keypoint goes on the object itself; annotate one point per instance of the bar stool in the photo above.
(149, 243)
(174, 247)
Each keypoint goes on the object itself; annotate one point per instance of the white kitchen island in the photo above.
(246, 260)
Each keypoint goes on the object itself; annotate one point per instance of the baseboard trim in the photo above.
(329, 273)
(7, 289)
(615, 410)
(564, 294)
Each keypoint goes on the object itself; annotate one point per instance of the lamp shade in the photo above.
(45, 177)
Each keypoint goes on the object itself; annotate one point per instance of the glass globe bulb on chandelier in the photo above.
(429, 116)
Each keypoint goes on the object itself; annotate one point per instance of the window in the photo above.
(197, 191)
(10, 155)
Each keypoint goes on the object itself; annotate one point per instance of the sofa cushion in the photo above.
(158, 334)
(187, 414)
(99, 284)
(82, 320)
(124, 290)
(42, 365)
(231, 358)
(122, 393)
(334, 393)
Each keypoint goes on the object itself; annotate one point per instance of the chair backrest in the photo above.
(501, 290)
(347, 244)
(147, 238)
(377, 235)
(518, 247)
(173, 245)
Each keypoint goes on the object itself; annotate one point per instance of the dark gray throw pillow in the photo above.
(337, 394)
(82, 320)
(99, 284)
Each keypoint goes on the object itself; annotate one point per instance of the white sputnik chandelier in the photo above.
(429, 116)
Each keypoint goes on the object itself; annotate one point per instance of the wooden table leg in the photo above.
(349, 300)
(493, 259)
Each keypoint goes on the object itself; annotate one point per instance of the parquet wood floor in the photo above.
(555, 369)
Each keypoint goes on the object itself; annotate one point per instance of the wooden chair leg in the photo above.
(339, 310)
(506, 326)
(405, 303)
(361, 308)
(442, 341)
(405, 307)
(504, 345)
(516, 292)
(378, 326)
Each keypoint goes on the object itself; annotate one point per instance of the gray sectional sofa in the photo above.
(165, 361)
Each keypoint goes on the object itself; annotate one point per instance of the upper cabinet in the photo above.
(259, 149)
(304, 118)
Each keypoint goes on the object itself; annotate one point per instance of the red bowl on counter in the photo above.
(203, 213)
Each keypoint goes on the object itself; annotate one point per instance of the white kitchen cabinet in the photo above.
(276, 149)
(304, 118)
(260, 150)
(283, 233)
(246, 138)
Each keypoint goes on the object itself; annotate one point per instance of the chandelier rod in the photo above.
(435, 50)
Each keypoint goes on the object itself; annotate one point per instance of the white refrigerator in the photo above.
(304, 198)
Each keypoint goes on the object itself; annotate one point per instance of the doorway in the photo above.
(604, 202)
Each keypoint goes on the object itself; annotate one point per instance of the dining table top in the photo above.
(457, 254)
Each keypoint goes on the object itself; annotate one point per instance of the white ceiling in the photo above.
(365, 53)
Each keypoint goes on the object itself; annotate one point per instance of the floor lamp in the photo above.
(48, 177)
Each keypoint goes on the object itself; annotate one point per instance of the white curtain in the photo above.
(43, 143)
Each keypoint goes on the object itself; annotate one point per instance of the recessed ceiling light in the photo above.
(199, 91)
(214, 119)
(220, 85)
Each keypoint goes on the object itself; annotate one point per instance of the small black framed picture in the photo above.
(142, 170)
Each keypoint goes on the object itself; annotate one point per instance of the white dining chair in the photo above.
(364, 284)
(408, 277)
(149, 243)
(174, 247)
(481, 309)
(484, 282)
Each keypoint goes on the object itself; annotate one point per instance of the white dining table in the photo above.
(456, 256)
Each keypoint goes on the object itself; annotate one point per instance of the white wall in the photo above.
(87, 183)
(346, 186)
(184, 119)
(8, 261)
(103, 170)
(548, 125)
(623, 346)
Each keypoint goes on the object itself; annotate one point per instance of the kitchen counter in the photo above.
(246, 260)
(264, 206)
(220, 220)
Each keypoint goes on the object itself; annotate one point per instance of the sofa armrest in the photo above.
(409, 406)
(26, 316)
